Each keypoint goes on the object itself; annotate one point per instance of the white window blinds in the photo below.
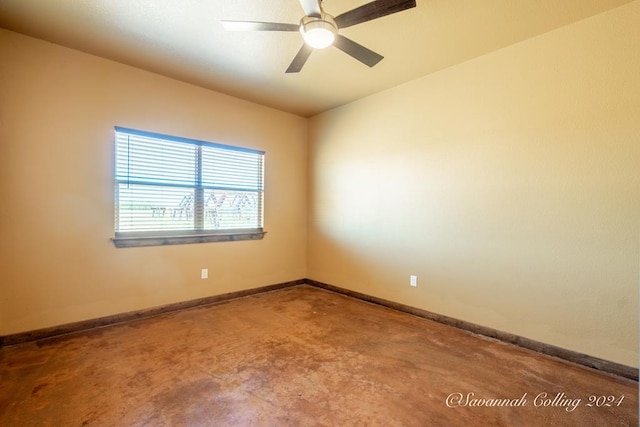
(166, 185)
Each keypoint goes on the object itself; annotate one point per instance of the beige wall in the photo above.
(508, 184)
(58, 108)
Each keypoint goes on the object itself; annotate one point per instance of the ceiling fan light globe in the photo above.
(319, 38)
(318, 33)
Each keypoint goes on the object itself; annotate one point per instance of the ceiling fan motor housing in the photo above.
(318, 32)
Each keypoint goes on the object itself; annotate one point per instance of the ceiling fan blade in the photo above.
(300, 59)
(311, 7)
(373, 10)
(359, 52)
(258, 26)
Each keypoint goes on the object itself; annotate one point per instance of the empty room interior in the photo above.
(443, 228)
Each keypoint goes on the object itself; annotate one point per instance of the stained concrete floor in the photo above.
(299, 356)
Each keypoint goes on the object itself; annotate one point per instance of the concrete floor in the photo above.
(298, 356)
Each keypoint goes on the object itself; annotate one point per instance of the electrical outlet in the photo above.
(413, 281)
(204, 273)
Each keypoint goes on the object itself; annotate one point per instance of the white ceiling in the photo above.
(185, 40)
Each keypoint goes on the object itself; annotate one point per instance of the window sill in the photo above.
(139, 241)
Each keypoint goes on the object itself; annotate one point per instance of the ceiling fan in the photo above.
(320, 30)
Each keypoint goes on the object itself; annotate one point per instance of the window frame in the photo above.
(198, 234)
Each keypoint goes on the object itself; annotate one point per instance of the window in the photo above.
(172, 190)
